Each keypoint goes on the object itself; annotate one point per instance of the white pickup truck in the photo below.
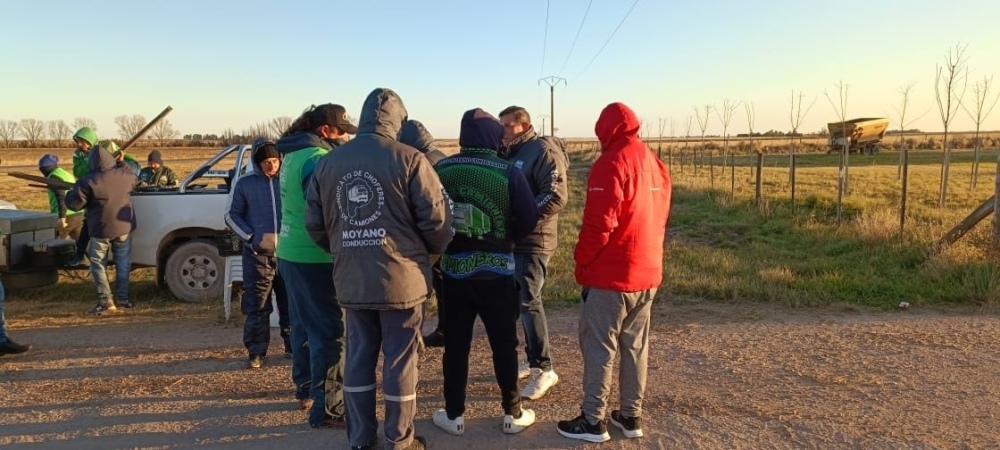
(179, 228)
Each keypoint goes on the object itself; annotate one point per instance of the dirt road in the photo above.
(720, 378)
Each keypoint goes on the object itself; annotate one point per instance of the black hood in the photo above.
(298, 141)
(100, 160)
(415, 135)
(383, 114)
(480, 130)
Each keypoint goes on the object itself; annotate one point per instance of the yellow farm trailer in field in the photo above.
(862, 135)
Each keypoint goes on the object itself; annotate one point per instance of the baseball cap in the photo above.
(333, 114)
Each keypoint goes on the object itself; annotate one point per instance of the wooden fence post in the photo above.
(905, 168)
(996, 210)
(760, 169)
(791, 179)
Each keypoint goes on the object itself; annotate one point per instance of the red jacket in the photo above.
(620, 247)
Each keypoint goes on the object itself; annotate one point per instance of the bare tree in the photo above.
(949, 87)
(726, 116)
(980, 111)
(33, 130)
(228, 137)
(162, 132)
(659, 142)
(904, 92)
(280, 124)
(8, 132)
(703, 125)
(748, 107)
(129, 126)
(81, 122)
(688, 121)
(840, 108)
(58, 131)
(797, 115)
(751, 116)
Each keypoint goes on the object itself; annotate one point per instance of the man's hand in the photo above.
(62, 223)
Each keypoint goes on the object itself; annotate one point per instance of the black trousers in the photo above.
(260, 278)
(495, 301)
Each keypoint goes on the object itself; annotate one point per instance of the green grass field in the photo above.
(723, 247)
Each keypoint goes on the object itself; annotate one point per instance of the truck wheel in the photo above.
(195, 272)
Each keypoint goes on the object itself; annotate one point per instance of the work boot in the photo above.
(10, 347)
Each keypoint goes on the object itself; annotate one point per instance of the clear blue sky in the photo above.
(234, 63)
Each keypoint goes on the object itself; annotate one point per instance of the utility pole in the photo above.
(552, 81)
(543, 117)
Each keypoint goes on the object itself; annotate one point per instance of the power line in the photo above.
(607, 41)
(545, 39)
(578, 30)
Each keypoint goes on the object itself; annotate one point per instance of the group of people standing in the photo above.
(96, 213)
(354, 236)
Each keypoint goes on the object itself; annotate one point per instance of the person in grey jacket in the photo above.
(380, 209)
(106, 195)
(545, 163)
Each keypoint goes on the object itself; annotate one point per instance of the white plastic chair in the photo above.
(234, 274)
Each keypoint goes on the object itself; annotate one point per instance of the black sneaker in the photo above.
(579, 428)
(631, 426)
(102, 311)
(9, 347)
(124, 304)
(255, 361)
(434, 339)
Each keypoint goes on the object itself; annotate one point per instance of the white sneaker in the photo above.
(455, 427)
(539, 384)
(523, 371)
(512, 425)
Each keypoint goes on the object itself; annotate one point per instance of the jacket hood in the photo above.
(86, 134)
(101, 160)
(616, 121)
(298, 141)
(480, 130)
(383, 114)
(415, 135)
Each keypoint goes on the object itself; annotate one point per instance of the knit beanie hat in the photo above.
(155, 157)
(263, 148)
(48, 161)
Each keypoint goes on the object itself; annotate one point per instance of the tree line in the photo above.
(36, 133)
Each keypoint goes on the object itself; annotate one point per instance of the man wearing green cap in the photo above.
(84, 138)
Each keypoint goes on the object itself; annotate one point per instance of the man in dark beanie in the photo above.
(156, 174)
(254, 214)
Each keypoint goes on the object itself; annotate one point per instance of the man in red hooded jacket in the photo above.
(619, 263)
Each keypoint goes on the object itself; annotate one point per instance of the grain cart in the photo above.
(862, 135)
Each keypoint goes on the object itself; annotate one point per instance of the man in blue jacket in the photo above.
(254, 214)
